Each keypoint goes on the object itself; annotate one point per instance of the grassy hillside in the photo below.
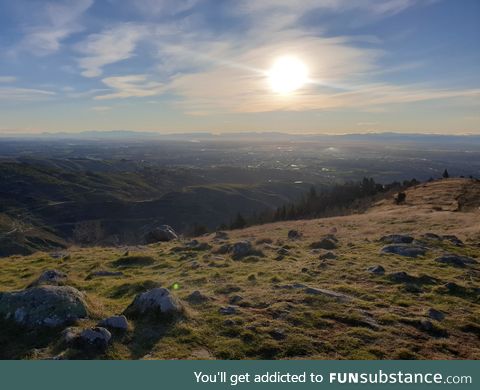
(289, 301)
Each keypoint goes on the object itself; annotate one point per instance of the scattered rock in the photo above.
(325, 243)
(161, 234)
(283, 251)
(227, 310)
(157, 301)
(101, 274)
(47, 306)
(456, 260)
(197, 246)
(397, 239)
(328, 293)
(328, 256)
(97, 338)
(133, 261)
(220, 236)
(229, 323)
(241, 249)
(376, 269)
(401, 277)
(225, 248)
(294, 234)
(404, 250)
(69, 335)
(453, 239)
(51, 278)
(432, 236)
(235, 300)
(197, 298)
(278, 334)
(435, 314)
(115, 322)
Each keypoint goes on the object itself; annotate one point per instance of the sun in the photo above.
(287, 74)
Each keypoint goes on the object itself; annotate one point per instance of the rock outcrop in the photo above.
(45, 306)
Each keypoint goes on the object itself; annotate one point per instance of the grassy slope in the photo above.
(315, 326)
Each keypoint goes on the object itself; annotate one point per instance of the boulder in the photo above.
(404, 250)
(97, 338)
(294, 234)
(197, 298)
(161, 234)
(435, 314)
(376, 269)
(401, 277)
(220, 236)
(241, 249)
(115, 322)
(44, 306)
(228, 310)
(328, 256)
(50, 277)
(325, 243)
(456, 260)
(157, 301)
(397, 239)
(453, 239)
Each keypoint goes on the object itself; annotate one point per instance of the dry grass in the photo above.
(380, 321)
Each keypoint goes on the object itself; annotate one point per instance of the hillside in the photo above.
(273, 292)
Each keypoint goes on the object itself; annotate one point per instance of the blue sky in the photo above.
(202, 65)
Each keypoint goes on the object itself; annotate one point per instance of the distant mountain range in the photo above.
(256, 136)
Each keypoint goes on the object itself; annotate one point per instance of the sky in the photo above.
(176, 66)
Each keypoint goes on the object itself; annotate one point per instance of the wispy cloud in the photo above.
(130, 86)
(109, 46)
(24, 94)
(58, 22)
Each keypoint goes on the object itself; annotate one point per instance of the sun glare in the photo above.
(287, 74)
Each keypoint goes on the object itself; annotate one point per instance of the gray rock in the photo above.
(278, 334)
(435, 314)
(328, 256)
(401, 277)
(197, 298)
(115, 322)
(432, 236)
(69, 335)
(456, 260)
(44, 306)
(294, 234)
(283, 251)
(376, 269)
(397, 239)
(157, 301)
(97, 338)
(235, 300)
(241, 249)
(325, 243)
(453, 239)
(50, 277)
(220, 235)
(161, 234)
(228, 310)
(404, 250)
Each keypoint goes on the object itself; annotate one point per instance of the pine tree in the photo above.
(445, 174)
